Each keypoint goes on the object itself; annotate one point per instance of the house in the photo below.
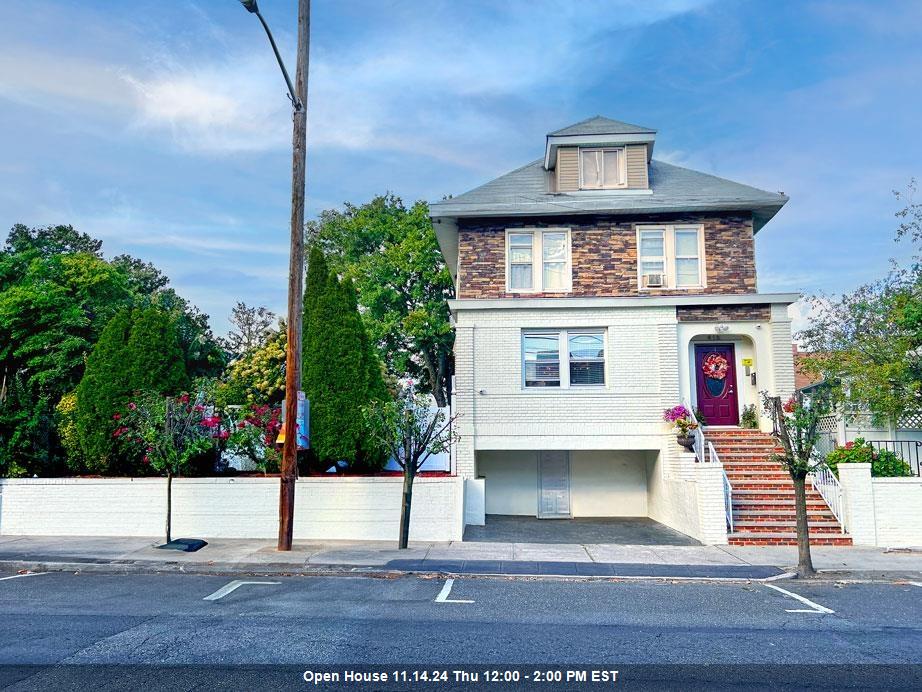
(595, 286)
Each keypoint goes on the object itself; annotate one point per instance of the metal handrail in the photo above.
(728, 489)
(827, 485)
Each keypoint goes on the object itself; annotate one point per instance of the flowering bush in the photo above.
(254, 437)
(884, 463)
(681, 418)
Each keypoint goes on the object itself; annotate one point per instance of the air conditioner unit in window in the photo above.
(652, 280)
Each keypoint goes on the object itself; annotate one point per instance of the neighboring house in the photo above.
(594, 287)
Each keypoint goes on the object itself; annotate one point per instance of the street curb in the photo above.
(231, 569)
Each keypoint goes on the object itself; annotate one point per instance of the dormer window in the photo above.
(602, 168)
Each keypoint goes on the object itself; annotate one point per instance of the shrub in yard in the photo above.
(749, 419)
(253, 436)
(137, 351)
(341, 372)
(884, 463)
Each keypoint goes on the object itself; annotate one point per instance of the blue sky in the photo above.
(162, 126)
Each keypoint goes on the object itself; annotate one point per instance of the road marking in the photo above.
(27, 574)
(916, 583)
(443, 594)
(815, 607)
(231, 587)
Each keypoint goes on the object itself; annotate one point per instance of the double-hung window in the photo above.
(602, 169)
(670, 256)
(569, 358)
(538, 260)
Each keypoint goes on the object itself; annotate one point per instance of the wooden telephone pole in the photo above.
(298, 95)
(295, 282)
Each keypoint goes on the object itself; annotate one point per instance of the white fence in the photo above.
(336, 508)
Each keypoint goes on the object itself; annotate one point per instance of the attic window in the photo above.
(602, 169)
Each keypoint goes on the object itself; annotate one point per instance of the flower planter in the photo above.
(687, 441)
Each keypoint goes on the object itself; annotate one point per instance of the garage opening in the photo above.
(577, 496)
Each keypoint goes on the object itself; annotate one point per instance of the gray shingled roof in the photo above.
(599, 125)
(524, 191)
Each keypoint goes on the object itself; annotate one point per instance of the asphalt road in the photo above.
(83, 623)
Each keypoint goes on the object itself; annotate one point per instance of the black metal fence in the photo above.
(909, 451)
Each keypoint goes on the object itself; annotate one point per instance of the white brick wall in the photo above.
(886, 512)
(498, 413)
(325, 508)
(898, 511)
(859, 503)
(712, 520)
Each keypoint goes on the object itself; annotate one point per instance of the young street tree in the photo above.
(412, 431)
(795, 430)
(170, 432)
(391, 254)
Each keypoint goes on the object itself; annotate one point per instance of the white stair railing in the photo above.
(728, 489)
(827, 485)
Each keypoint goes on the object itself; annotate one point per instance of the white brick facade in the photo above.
(884, 512)
(647, 369)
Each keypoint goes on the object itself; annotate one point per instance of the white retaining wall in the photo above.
(344, 508)
(886, 512)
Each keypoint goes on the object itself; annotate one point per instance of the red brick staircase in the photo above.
(763, 494)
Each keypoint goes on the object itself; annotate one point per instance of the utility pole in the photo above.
(298, 97)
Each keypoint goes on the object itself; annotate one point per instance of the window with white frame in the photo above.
(570, 358)
(602, 169)
(670, 256)
(538, 260)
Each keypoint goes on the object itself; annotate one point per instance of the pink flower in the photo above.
(223, 435)
(789, 405)
(146, 460)
(132, 406)
(241, 425)
(117, 416)
(198, 408)
(184, 398)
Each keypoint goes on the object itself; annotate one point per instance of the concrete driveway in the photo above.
(501, 528)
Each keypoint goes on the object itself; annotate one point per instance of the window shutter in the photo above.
(567, 169)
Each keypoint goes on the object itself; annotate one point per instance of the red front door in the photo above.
(715, 373)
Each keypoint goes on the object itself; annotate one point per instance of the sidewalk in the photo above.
(258, 556)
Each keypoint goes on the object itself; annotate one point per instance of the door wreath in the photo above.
(715, 366)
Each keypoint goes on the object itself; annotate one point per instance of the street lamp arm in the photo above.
(295, 101)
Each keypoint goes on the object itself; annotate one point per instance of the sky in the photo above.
(162, 127)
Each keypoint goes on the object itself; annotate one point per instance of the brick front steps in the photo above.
(763, 494)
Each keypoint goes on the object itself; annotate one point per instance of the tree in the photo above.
(867, 344)
(137, 351)
(391, 254)
(258, 376)
(795, 430)
(340, 371)
(251, 327)
(56, 295)
(411, 431)
(170, 432)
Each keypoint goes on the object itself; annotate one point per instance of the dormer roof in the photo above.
(600, 125)
(597, 131)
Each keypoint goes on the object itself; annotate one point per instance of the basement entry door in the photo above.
(553, 485)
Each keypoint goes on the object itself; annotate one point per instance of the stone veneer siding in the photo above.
(604, 254)
(724, 313)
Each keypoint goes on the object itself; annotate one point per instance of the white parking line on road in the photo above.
(815, 607)
(446, 590)
(233, 586)
(916, 583)
(27, 574)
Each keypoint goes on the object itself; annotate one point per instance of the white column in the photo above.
(712, 519)
(859, 503)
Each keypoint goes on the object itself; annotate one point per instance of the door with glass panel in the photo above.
(553, 485)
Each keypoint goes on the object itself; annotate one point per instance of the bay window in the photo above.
(538, 260)
(670, 256)
(564, 359)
